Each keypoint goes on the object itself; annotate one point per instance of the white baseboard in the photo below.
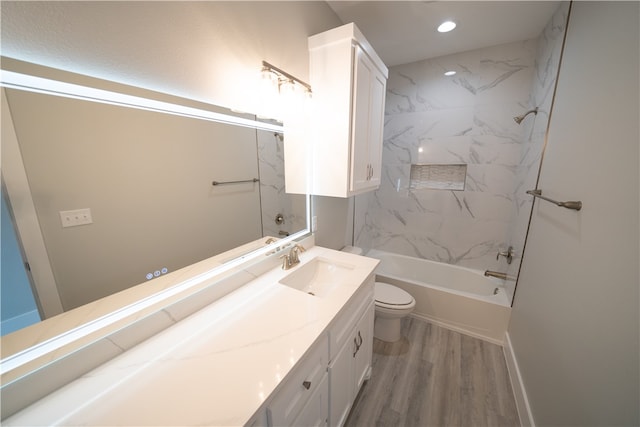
(456, 328)
(519, 392)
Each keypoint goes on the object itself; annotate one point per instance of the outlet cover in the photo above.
(76, 217)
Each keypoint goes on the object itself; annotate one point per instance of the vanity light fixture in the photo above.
(450, 73)
(19, 81)
(285, 81)
(446, 26)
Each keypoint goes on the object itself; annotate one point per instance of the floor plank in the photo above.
(435, 377)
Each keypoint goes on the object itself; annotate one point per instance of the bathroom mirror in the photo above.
(124, 196)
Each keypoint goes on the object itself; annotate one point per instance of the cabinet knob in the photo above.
(306, 384)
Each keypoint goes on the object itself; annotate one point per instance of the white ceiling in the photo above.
(405, 31)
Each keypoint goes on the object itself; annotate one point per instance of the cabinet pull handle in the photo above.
(356, 346)
(360, 337)
(306, 384)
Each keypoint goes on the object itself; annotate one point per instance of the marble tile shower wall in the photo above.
(467, 118)
(273, 198)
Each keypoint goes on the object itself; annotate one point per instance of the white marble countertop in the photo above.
(216, 367)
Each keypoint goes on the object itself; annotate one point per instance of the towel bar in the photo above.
(234, 182)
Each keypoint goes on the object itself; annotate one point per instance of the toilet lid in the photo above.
(391, 295)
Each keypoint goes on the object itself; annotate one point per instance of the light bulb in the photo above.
(446, 26)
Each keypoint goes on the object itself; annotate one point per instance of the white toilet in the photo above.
(391, 305)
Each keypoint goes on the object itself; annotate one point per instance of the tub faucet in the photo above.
(496, 274)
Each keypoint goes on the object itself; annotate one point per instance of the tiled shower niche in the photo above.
(437, 177)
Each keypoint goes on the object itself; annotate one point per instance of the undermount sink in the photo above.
(317, 277)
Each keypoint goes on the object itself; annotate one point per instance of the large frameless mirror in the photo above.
(121, 191)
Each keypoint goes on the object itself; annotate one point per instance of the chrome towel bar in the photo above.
(234, 182)
(575, 205)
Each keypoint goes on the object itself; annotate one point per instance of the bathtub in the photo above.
(454, 297)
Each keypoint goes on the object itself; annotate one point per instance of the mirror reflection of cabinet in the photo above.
(348, 81)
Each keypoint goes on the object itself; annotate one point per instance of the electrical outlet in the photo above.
(314, 224)
(76, 217)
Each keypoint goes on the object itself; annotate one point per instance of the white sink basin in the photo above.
(317, 277)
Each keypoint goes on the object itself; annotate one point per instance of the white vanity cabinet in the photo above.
(322, 389)
(351, 345)
(303, 397)
(344, 140)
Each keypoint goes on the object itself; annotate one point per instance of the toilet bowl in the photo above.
(391, 305)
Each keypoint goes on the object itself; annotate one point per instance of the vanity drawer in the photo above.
(299, 386)
(340, 330)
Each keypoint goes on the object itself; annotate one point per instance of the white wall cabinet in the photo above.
(343, 144)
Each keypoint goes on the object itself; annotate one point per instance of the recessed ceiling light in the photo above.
(446, 26)
(450, 73)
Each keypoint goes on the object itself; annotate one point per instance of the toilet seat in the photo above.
(391, 297)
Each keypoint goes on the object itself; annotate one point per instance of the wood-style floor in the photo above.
(435, 377)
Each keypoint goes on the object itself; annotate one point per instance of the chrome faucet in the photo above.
(293, 258)
(294, 254)
(496, 274)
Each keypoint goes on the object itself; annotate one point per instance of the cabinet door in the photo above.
(299, 386)
(316, 409)
(368, 116)
(376, 126)
(363, 335)
(362, 76)
(341, 384)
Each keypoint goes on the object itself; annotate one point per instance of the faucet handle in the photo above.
(286, 262)
(293, 254)
(508, 254)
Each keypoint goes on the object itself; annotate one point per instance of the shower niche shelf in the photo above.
(438, 177)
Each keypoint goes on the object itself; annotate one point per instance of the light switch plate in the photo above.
(76, 217)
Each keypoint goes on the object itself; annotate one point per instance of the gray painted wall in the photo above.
(574, 325)
(211, 51)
